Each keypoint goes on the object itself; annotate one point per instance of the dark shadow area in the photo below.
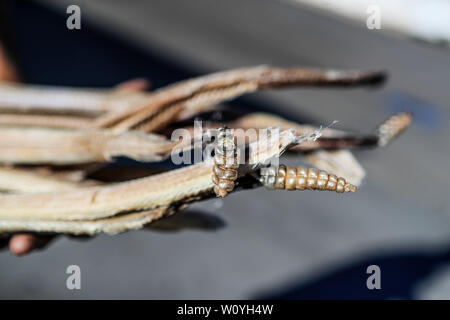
(401, 272)
(49, 53)
(188, 219)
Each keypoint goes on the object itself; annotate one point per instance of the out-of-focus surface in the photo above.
(257, 243)
(425, 20)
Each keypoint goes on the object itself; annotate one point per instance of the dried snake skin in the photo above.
(14, 180)
(214, 88)
(41, 100)
(124, 110)
(176, 187)
(104, 119)
(53, 146)
(113, 225)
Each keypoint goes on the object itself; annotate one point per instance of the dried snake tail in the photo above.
(354, 78)
(292, 178)
(392, 127)
(226, 162)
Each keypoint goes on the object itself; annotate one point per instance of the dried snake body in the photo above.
(128, 205)
(44, 100)
(226, 162)
(20, 145)
(122, 111)
(291, 178)
(15, 180)
(180, 186)
(214, 88)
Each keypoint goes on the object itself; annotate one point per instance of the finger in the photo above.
(21, 244)
(7, 71)
(138, 84)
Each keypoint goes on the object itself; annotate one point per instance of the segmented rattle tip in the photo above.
(292, 178)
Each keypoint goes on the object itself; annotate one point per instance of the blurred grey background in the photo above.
(256, 244)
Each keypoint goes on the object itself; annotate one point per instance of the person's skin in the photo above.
(7, 71)
(137, 84)
(24, 243)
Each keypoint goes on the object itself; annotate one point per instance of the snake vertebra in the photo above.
(226, 163)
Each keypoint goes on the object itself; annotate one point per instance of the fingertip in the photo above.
(138, 84)
(22, 244)
(7, 70)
